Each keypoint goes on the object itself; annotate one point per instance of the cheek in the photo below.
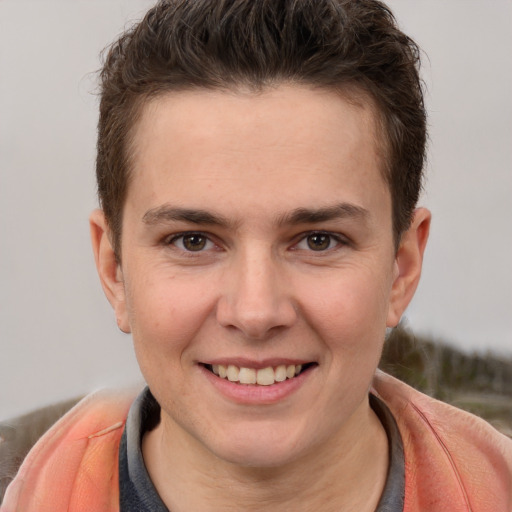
(166, 313)
(350, 309)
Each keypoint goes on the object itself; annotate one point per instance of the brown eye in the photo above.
(319, 242)
(194, 242)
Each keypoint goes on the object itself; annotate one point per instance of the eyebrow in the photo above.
(167, 213)
(312, 216)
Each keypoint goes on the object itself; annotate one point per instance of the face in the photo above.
(257, 242)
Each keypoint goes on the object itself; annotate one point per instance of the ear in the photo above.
(408, 263)
(109, 270)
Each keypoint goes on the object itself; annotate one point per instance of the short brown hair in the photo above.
(226, 44)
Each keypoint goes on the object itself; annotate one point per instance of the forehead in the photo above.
(275, 144)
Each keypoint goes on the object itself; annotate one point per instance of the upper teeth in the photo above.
(264, 377)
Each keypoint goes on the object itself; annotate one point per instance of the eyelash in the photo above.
(181, 236)
(340, 241)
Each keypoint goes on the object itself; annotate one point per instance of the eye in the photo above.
(319, 242)
(192, 242)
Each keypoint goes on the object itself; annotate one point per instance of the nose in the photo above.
(256, 298)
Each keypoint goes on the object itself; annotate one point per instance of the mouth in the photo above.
(261, 376)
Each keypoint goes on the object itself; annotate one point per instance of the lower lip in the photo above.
(253, 394)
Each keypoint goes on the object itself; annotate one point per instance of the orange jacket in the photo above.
(454, 462)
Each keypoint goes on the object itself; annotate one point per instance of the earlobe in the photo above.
(109, 270)
(408, 264)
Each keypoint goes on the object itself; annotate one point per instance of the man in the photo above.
(259, 164)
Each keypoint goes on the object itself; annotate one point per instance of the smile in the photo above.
(262, 377)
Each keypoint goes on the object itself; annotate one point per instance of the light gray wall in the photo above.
(57, 334)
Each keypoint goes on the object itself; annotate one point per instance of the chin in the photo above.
(259, 450)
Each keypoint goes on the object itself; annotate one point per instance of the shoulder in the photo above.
(76, 455)
(19, 434)
(453, 459)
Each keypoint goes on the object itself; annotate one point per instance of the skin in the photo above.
(258, 178)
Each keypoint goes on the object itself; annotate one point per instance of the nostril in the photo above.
(255, 310)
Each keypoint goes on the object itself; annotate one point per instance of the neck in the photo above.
(346, 473)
